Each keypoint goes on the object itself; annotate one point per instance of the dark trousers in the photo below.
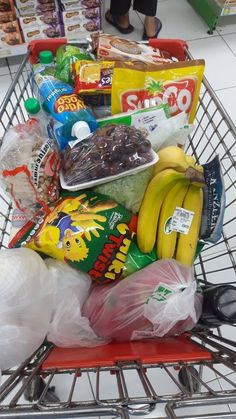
(121, 7)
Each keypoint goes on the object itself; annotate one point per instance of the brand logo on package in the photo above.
(178, 95)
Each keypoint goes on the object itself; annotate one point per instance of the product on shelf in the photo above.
(82, 22)
(48, 18)
(80, 4)
(11, 27)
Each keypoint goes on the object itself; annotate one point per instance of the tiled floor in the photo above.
(219, 51)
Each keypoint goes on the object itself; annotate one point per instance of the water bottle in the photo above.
(36, 115)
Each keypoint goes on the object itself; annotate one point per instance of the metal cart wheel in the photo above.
(187, 378)
(35, 389)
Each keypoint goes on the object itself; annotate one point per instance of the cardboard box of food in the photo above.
(81, 15)
(43, 32)
(10, 27)
(79, 4)
(48, 18)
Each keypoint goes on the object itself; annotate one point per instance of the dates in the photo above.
(111, 150)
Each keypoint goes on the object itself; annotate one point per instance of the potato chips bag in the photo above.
(93, 76)
(175, 84)
(87, 230)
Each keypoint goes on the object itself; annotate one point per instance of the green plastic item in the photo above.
(209, 10)
(32, 106)
(45, 57)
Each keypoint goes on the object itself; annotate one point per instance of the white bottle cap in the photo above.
(80, 130)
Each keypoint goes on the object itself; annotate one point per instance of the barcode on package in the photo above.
(181, 220)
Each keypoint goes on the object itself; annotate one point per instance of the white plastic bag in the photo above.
(26, 298)
(156, 301)
(68, 328)
(173, 131)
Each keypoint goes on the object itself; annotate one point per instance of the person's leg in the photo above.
(118, 15)
(152, 25)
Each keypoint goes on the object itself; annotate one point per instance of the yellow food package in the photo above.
(93, 76)
(175, 84)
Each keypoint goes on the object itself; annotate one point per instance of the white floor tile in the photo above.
(3, 67)
(220, 61)
(5, 82)
(14, 63)
(180, 20)
(228, 100)
(230, 40)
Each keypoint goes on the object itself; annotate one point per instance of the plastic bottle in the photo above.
(219, 306)
(45, 66)
(46, 57)
(36, 114)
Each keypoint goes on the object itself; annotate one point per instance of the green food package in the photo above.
(88, 231)
(65, 57)
(128, 190)
(137, 260)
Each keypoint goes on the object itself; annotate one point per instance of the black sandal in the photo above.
(158, 29)
(113, 22)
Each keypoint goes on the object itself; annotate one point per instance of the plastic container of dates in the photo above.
(112, 152)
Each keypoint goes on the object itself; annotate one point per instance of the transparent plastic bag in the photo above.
(173, 131)
(112, 150)
(159, 300)
(26, 299)
(29, 169)
(68, 328)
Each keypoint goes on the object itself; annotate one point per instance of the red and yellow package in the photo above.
(91, 76)
(175, 84)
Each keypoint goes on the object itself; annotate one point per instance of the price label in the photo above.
(181, 220)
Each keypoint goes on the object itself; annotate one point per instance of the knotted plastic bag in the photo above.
(159, 300)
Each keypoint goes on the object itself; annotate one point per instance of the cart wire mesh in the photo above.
(187, 389)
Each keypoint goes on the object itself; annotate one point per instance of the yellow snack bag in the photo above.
(175, 84)
(91, 76)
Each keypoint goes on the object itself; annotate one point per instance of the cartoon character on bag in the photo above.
(69, 224)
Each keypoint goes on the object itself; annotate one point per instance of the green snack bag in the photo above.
(137, 260)
(66, 56)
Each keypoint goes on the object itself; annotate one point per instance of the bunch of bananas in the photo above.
(177, 182)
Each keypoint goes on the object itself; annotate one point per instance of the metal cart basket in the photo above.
(192, 376)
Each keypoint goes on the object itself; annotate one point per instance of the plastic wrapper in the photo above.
(173, 131)
(110, 151)
(115, 48)
(176, 84)
(129, 190)
(29, 169)
(26, 301)
(68, 328)
(88, 231)
(159, 300)
(66, 57)
(214, 202)
(92, 77)
(64, 105)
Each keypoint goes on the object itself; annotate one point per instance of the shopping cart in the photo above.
(192, 376)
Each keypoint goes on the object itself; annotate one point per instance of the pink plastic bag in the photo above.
(159, 300)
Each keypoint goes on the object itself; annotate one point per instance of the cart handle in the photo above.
(176, 47)
(35, 47)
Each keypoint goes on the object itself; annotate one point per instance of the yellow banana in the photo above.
(171, 157)
(199, 168)
(190, 160)
(151, 205)
(187, 243)
(166, 239)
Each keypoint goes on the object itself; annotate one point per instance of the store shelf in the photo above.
(212, 10)
(13, 50)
